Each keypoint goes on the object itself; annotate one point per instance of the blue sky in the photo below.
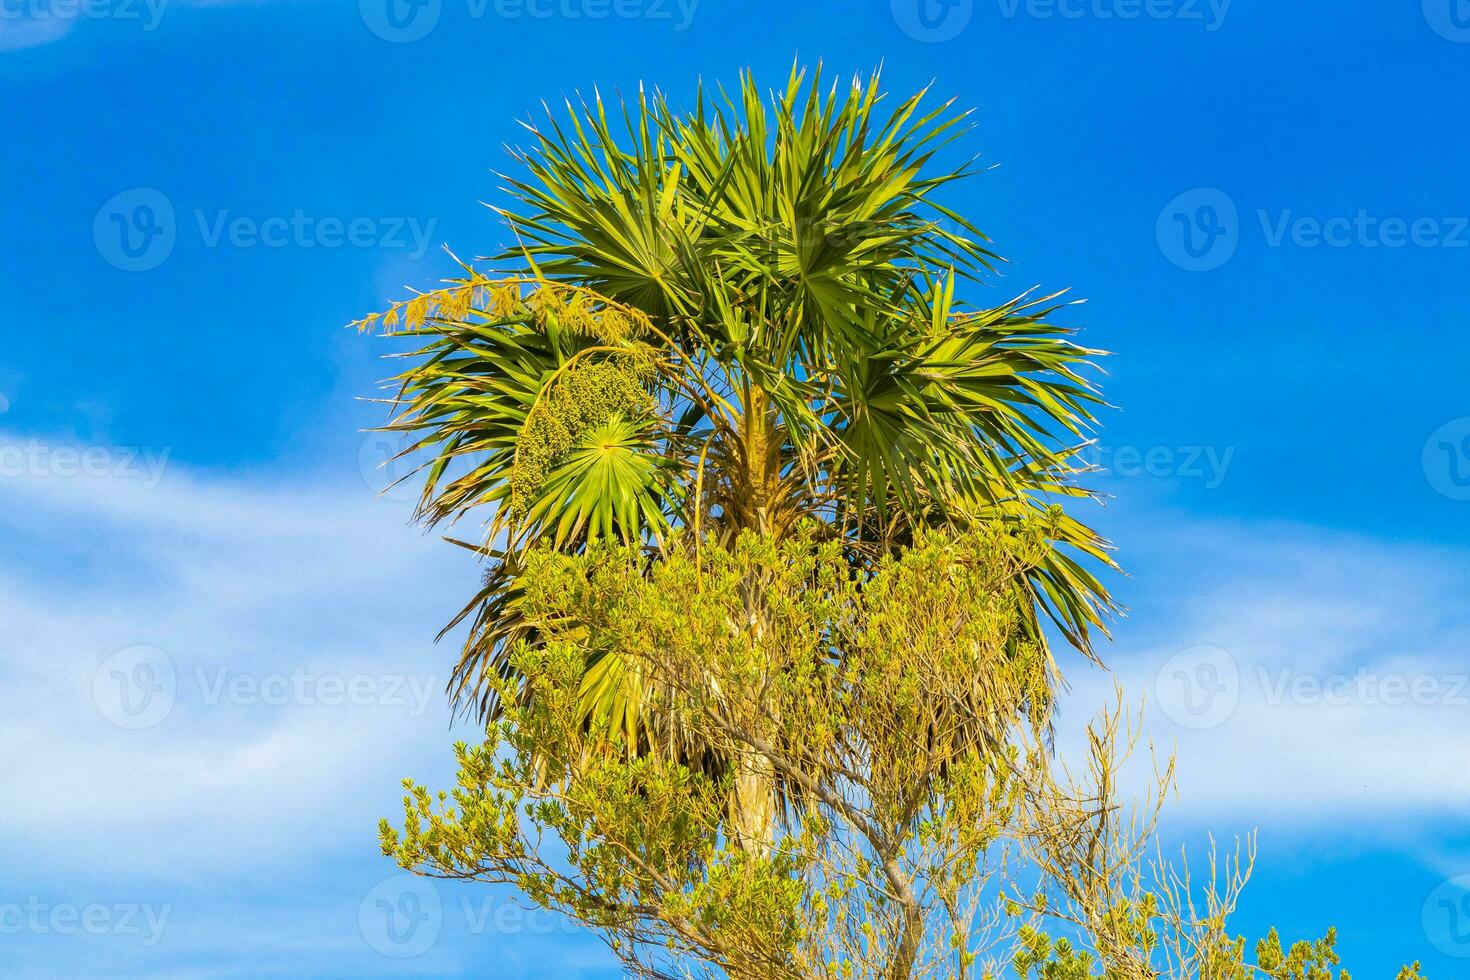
(1263, 203)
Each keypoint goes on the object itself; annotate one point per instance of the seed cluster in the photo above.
(583, 397)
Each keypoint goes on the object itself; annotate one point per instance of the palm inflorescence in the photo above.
(742, 317)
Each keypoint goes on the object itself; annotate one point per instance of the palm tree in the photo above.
(738, 318)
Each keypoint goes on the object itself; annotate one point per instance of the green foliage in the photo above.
(1038, 955)
(575, 412)
(1304, 961)
(888, 703)
(768, 651)
(775, 535)
(741, 317)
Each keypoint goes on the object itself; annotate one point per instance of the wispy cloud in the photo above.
(212, 680)
(295, 628)
(293, 623)
(33, 23)
(1308, 678)
(19, 32)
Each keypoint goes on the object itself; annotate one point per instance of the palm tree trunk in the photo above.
(753, 805)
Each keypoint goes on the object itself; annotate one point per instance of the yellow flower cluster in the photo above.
(545, 303)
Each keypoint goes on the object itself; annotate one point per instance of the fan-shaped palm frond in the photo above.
(740, 317)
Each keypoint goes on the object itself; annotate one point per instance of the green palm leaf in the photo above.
(741, 317)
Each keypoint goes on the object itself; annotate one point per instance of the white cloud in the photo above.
(33, 23)
(17, 33)
(260, 583)
(1349, 684)
(298, 627)
(1309, 679)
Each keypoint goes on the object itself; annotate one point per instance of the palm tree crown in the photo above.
(739, 318)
